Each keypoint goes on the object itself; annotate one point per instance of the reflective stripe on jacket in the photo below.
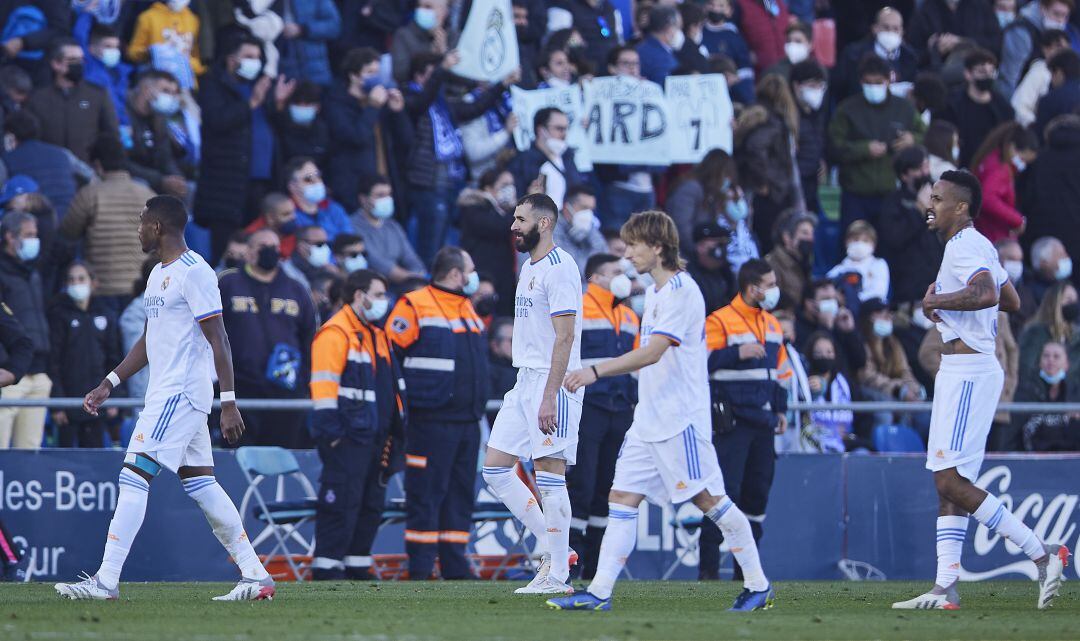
(608, 330)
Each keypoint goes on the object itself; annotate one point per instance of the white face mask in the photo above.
(796, 52)
(1064, 268)
(678, 40)
(620, 286)
(178, 5)
(320, 255)
(249, 68)
(889, 40)
(377, 310)
(583, 221)
(110, 57)
(875, 94)
(883, 327)
(1015, 269)
(859, 250)
(812, 96)
(383, 208)
(355, 263)
(507, 195)
(556, 146)
(956, 153)
(828, 307)
(772, 297)
(79, 292)
(628, 267)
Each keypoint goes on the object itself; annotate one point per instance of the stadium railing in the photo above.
(494, 405)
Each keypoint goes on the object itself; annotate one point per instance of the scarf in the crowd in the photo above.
(104, 11)
(448, 147)
(497, 115)
(832, 425)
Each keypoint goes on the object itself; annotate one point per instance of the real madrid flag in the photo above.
(488, 44)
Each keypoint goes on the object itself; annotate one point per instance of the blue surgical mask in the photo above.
(302, 114)
(425, 18)
(315, 193)
(377, 310)
(110, 57)
(29, 249)
(1064, 268)
(355, 263)
(320, 255)
(472, 283)
(875, 94)
(249, 68)
(1052, 379)
(737, 209)
(165, 104)
(883, 327)
(79, 292)
(383, 208)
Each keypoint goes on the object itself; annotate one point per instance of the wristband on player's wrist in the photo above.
(595, 372)
(113, 379)
(228, 397)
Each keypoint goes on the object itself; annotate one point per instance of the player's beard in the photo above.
(528, 240)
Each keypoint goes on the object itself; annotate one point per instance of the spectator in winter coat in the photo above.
(309, 26)
(763, 22)
(169, 24)
(886, 42)
(237, 142)
(388, 248)
(693, 57)
(301, 126)
(486, 215)
(48, 165)
(808, 86)
(1053, 174)
(1064, 94)
(105, 69)
(792, 257)
(798, 47)
(304, 184)
(822, 311)
(721, 37)
(578, 229)
(1036, 81)
(1050, 432)
(1058, 320)
(663, 39)
(152, 156)
(549, 156)
(1020, 41)
(1006, 151)
(72, 112)
(84, 341)
(977, 107)
(21, 194)
(427, 32)
(501, 371)
(940, 26)
(372, 133)
(20, 289)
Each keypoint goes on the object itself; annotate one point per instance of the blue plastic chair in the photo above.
(282, 517)
(897, 439)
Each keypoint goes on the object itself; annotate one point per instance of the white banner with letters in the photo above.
(628, 122)
(488, 44)
(565, 99)
(699, 114)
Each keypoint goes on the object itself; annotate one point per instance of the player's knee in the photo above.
(495, 475)
(947, 484)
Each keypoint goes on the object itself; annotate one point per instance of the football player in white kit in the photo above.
(971, 285)
(539, 419)
(183, 340)
(668, 454)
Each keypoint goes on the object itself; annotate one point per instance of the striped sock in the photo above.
(997, 518)
(519, 499)
(226, 523)
(951, 531)
(619, 539)
(557, 519)
(125, 524)
(735, 527)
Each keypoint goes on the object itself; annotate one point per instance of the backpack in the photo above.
(24, 21)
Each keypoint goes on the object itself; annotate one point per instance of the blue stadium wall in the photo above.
(875, 509)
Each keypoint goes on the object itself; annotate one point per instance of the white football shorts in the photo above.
(674, 470)
(516, 430)
(966, 394)
(174, 434)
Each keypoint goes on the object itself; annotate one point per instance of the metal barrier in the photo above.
(303, 404)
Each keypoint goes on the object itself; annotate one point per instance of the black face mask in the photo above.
(232, 262)
(984, 84)
(806, 251)
(486, 305)
(1070, 312)
(819, 365)
(74, 72)
(268, 258)
(717, 16)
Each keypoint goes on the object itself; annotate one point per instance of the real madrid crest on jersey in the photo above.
(532, 281)
(165, 283)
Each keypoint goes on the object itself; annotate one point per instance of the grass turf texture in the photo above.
(477, 611)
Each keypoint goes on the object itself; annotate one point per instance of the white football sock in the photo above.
(226, 523)
(125, 524)
(519, 499)
(619, 539)
(951, 531)
(557, 518)
(997, 518)
(735, 527)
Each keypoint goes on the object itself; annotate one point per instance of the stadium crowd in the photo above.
(313, 139)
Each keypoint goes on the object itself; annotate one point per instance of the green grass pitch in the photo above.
(479, 611)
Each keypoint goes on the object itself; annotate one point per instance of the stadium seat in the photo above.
(897, 439)
(283, 517)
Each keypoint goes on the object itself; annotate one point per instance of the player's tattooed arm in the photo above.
(980, 293)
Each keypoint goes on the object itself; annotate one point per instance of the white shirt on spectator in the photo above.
(1035, 85)
(874, 272)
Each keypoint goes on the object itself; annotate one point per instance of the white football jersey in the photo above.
(966, 254)
(178, 296)
(546, 288)
(673, 393)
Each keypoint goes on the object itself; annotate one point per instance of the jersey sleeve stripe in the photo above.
(976, 273)
(203, 317)
(676, 339)
(564, 312)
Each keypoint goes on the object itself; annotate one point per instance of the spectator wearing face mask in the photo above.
(693, 57)
(827, 430)
(549, 157)
(1050, 432)
(578, 230)
(721, 37)
(808, 86)
(388, 246)
(486, 216)
(710, 267)
(301, 125)
(271, 319)
(886, 42)
(151, 154)
(312, 257)
(1051, 264)
(977, 108)
(1011, 255)
(276, 213)
(349, 254)
(821, 311)
(911, 250)
(1058, 320)
(861, 241)
(798, 47)
(887, 374)
(20, 289)
(427, 32)
(792, 257)
(20, 193)
(663, 40)
(304, 184)
(71, 111)
(84, 339)
(105, 69)
(1007, 151)
(1037, 78)
(1020, 41)
(554, 68)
